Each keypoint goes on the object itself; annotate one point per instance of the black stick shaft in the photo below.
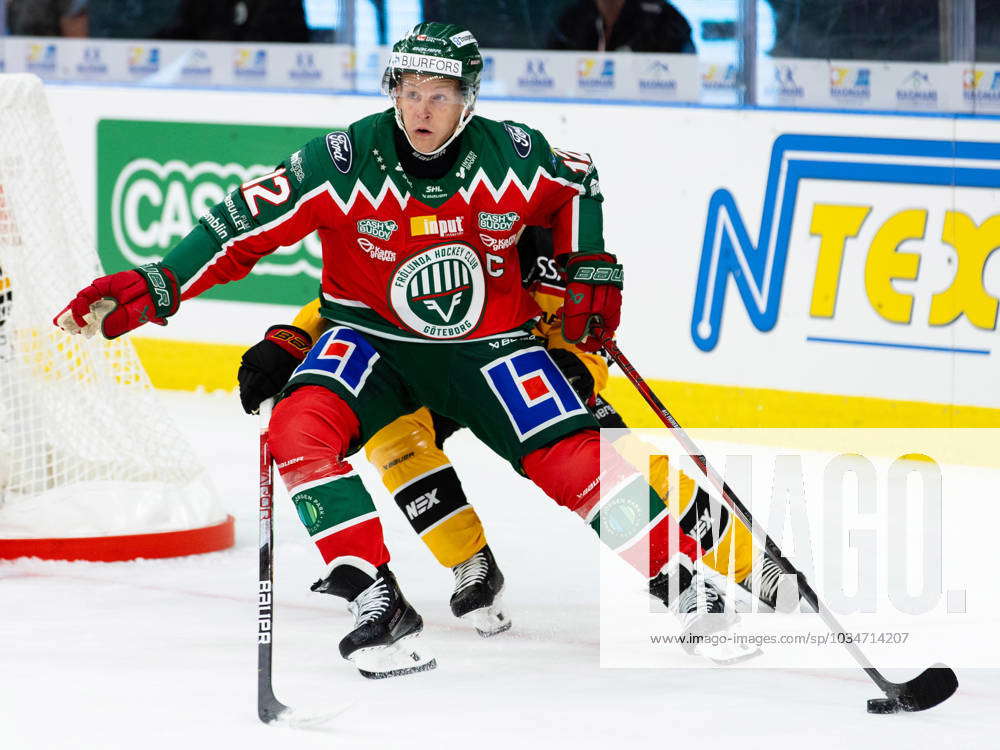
(268, 707)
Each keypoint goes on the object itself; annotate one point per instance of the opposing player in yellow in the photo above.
(419, 475)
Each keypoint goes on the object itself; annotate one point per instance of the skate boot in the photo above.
(476, 598)
(702, 610)
(385, 641)
(763, 581)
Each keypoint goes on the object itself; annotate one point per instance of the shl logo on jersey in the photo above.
(440, 292)
(886, 242)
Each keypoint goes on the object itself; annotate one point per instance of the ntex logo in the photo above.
(909, 247)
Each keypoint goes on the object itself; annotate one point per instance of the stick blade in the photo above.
(934, 685)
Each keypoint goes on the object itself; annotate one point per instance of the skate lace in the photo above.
(370, 603)
(769, 575)
(472, 571)
(687, 602)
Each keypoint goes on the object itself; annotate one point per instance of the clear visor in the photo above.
(436, 91)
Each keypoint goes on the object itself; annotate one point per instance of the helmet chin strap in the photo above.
(462, 122)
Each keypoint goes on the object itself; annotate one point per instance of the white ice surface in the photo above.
(161, 654)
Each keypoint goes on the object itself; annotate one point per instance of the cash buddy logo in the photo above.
(440, 292)
(866, 245)
(154, 205)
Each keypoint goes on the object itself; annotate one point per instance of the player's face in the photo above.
(430, 108)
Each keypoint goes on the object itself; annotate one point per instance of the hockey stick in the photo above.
(931, 687)
(269, 708)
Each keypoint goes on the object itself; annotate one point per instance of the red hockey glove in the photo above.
(267, 365)
(593, 302)
(118, 303)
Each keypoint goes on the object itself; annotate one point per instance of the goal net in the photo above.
(91, 466)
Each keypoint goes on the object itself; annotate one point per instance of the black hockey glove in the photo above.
(267, 365)
(575, 371)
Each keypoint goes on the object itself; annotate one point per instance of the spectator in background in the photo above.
(239, 20)
(622, 26)
(47, 17)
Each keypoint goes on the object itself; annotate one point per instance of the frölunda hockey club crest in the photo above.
(439, 292)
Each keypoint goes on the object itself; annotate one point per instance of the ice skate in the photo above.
(477, 595)
(385, 641)
(703, 612)
(763, 581)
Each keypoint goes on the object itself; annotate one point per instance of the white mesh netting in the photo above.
(85, 448)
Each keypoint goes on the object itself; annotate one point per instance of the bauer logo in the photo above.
(440, 292)
(532, 390)
(41, 59)
(250, 64)
(156, 179)
(850, 84)
(143, 61)
(595, 74)
(887, 239)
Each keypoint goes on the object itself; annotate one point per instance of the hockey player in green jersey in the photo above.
(418, 208)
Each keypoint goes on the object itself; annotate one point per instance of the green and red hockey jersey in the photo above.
(406, 258)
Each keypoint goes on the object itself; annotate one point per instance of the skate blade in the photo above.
(403, 657)
(489, 621)
(726, 654)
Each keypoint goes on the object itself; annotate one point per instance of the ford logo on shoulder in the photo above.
(341, 151)
(522, 141)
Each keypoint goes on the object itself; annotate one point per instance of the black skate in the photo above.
(702, 610)
(763, 581)
(385, 641)
(476, 598)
